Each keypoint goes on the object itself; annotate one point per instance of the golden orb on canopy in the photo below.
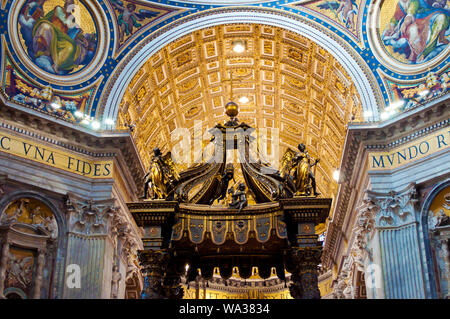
(231, 109)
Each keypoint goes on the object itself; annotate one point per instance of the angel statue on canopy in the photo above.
(296, 168)
(161, 177)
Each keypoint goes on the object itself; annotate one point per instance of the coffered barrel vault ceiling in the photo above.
(292, 84)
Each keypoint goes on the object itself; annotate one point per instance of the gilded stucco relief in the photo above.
(440, 207)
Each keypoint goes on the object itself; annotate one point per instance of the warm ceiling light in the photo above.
(244, 99)
(238, 46)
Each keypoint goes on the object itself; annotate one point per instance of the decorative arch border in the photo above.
(62, 230)
(225, 2)
(424, 215)
(14, 290)
(5, 201)
(364, 80)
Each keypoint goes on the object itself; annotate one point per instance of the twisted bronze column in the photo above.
(305, 272)
(160, 281)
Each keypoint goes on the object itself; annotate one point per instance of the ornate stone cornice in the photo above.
(107, 144)
(405, 128)
(411, 137)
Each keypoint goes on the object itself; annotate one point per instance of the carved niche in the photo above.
(28, 232)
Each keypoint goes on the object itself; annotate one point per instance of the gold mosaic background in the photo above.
(441, 202)
(292, 83)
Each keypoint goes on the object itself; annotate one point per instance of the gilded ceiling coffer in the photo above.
(194, 217)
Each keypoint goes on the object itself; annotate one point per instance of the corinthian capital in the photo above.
(90, 217)
(395, 208)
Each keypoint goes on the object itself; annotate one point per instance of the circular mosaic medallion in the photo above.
(410, 35)
(59, 39)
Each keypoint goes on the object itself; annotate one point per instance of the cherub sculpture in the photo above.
(296, 167)
(16, 213)
(239, 198)
(116, 277)
(128, 17)
(161, 177)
